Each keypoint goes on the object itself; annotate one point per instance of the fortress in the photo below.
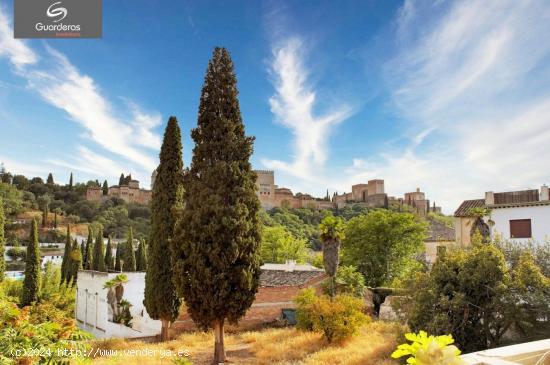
(130, 193)
(371, 195)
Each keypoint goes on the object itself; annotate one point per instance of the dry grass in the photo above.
(283, 346)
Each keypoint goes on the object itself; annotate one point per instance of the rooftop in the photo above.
(289, 274)
(464, 208)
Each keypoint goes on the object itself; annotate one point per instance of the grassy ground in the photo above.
(372, 346)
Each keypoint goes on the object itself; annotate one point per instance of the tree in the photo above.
(98, 262)
(109, 263)
(217, 261)
(56, 212)
(141, 257)
(65, 264)
(31, 283)
(382, 245)
(49, 181)
(161, 299)
(129, 257)
(118, 257)
(105, 188)
(2, 242)
(332, 233)
(348, 281)
(121, 180)
(71, 182)
(44, 204)
(88, 259)
(75, 263)
(278, 245)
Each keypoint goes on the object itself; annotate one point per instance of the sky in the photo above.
(450, 97)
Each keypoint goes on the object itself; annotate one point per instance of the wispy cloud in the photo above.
(472, 90)
(125, 130)
(293, 106)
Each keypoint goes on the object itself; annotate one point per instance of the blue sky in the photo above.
(451, 97)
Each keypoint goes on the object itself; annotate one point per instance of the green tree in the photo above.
(118, 256)
(141, 257)
(121, 180)
(57, 211)
(382, 245)
(49, 181)
(98, 262)
(217, 263)
(161, 299)
(105, 188)
(65, 264)
(278, 245)
(109, 262)
(129, 257)
(31, 283)
(71, 182)
(75, 263)
(332, 233)
(348, 281)
(44, 204)
(88, 259)
(2, 242)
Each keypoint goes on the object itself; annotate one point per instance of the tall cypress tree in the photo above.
(2, 242)
(141, 256)
(161, 299)
(121, 180)
(105, 188)
(75, 264)
(31, 283)
(118, 256)
(129, 256)
(49, 181)
(65, 265)
(109, 264)
(88, 259)
(98, 262)
(71, 182)
(216, 251)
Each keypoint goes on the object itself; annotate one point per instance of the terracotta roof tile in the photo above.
(464, 208)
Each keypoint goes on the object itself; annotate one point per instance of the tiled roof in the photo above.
(438, 231)
(284, 275)
(464, 208)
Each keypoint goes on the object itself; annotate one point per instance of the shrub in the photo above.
(429, 350)
(11, 290)
(348, 281)
(337, 319)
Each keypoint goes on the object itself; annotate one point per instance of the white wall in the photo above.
(540, 221)
(92, 306)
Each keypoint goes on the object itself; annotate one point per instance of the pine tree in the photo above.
(129, 257)
(49, 181)
(31, 283)
(216, 248)
(141, 257)
(71, 182)
(2, 242)
(118, 256)
(88, 259)
(161, 299)
(98, 262)
(65, 265)
(109, 264)
(105, 188)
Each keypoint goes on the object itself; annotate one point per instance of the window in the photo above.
(520, 228)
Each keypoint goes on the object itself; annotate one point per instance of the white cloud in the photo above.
(127, 132)
(293, 107)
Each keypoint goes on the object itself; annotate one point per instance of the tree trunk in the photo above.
(164, 335)
(219, 349)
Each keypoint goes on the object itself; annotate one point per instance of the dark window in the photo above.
(520, 228)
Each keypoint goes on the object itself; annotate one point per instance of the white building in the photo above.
(520, 216)
(93, 312)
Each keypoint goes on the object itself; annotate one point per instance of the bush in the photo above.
(348, 281)
(11, 290)
(337, 319)
(16, 253)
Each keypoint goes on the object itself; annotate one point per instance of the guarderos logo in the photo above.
(55, 12)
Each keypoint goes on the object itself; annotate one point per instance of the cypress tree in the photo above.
(98, 262)
(129, 256)
(121, 180)
(71, 181)
(88, 259)
(161, 299)
(49, 181)
(216, 248)
(141, 257)
(65, 265)
(2, 242)
(118, 257)
(83, 252)
(31, 283)
(75, 264)
(105, 188)
(109, 264)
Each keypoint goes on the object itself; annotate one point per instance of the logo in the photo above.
(52, 13)
(57, 18)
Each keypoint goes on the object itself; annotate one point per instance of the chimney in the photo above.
(544, 193)
(489, 198)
